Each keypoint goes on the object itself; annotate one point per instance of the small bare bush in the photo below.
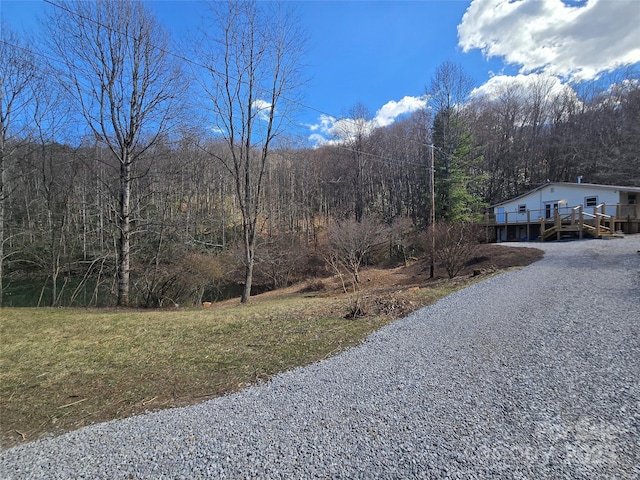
(350, 242)
(180, 280)
(393, 305)
(359, 307)
(455, 243)
(281, 259)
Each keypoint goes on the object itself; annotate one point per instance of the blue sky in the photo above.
(383, 54)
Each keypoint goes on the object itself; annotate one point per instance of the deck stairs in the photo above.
(597, 225)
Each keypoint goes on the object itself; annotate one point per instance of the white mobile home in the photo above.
(566, 209)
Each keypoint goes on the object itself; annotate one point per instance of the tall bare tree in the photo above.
(252, 56)
(18, 79)
(114, 64)
(355, 132)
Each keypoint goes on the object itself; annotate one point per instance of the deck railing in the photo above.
(578, 220)
(618, 212)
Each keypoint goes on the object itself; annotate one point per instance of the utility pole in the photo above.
(433, 215)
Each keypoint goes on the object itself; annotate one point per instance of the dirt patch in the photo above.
(503, 257)
(487, 259)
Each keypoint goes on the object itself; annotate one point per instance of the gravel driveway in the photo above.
(530, 374)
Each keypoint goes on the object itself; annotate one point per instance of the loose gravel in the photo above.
(532, 374)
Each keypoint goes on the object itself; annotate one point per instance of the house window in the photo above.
(633, 199)
(590, 201)
(522, 209)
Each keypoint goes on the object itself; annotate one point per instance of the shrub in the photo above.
(180, 280)
(280, 259)
(350, 242)
(455, 243)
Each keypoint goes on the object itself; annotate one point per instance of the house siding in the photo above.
(541, 202)
(520, 218)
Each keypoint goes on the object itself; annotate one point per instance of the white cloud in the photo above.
(391, 110)
(330, 130)
(324, 129)
(498, 84)
(347, 128)
(577, 42)
(216, 130)
(518, 94)
(317, 140)
(324, 125)
(262, 107)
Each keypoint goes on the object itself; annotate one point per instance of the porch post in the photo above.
(580, 222)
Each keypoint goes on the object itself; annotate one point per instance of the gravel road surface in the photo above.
(532, 374)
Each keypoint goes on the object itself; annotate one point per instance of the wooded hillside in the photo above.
(94, 167)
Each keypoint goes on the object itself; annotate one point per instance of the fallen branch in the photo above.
(74, 403)
(147, 402)
(207, 395)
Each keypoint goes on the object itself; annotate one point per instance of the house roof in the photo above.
(593, 186)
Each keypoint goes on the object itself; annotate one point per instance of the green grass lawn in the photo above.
(61, 369)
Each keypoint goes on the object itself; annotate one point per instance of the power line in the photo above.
(179, 56)
(374, 156)
(192, 62)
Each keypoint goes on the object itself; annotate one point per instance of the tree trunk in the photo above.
(125, 232)
(249, 248)
(359, 210)
(248, 280)
(2, 182)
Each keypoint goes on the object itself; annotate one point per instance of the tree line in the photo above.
(113, 192)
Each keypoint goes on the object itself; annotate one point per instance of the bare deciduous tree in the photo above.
(252, 57)
(18, 79)
(352, 241)
(115, 66)
(353, 133)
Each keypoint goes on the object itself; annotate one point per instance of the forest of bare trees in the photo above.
(112, 192)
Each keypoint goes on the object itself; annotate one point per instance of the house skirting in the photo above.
(532, 231)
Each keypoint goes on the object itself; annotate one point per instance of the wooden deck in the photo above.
(569, 222)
